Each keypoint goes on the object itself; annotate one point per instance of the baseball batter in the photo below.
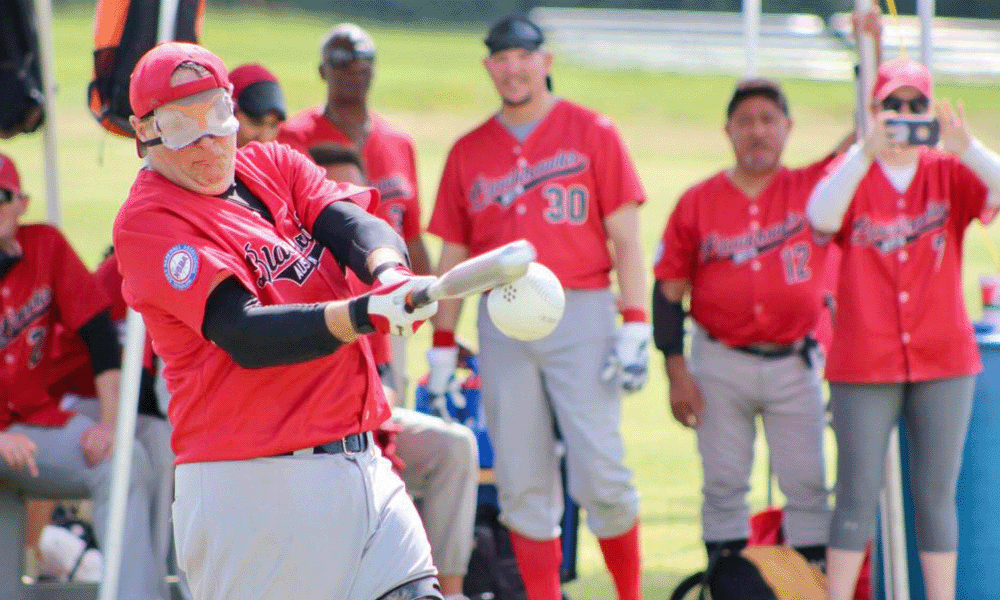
(741, 244)
(558, 175)
(235, 260)
(903, 345)
(50, 304)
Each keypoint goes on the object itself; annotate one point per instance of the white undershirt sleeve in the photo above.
(832, 195)
(985, 163)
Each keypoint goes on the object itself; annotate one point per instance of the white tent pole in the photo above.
(751, 35)
(926, 10)
(135, 341)
(866, 68)
(135, 332)
(43, 23)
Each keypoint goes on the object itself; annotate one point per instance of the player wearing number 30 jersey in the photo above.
(554, 173)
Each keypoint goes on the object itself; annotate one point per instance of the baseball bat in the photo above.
(478, 274)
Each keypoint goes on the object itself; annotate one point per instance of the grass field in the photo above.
(431, 82)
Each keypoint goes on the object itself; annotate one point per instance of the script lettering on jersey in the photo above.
(280, 261)
(744, 246)
(892, 235)
(16, 320)
(393, 186)
(505, 189)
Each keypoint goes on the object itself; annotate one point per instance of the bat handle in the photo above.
(418, 297)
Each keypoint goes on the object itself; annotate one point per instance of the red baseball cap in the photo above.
(9, 179)
(149, 87)
(900, 72)
(256, 91)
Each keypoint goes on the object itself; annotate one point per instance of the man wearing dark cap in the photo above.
(259, 103)
(557, 174)
(236, 260)
(740, 243)
(347, 65)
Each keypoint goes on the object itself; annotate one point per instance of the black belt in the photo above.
(351, 444)
(803, 348)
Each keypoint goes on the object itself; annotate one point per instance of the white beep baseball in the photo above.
(528, 308)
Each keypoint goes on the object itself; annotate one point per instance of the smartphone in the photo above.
(919, 131)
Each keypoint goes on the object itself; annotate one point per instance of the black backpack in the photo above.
(492, 571)
(21, 110)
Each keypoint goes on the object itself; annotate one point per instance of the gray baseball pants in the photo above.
(529, 386)
(442, 473)
(936, 414)
(62, 471)
(786, 393)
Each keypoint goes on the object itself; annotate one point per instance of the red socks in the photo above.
(539, 562)
(621, 555)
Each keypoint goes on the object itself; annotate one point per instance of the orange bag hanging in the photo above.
(124, 30)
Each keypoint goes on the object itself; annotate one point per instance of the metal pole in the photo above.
(43, 21)
(751, 35)
(925, 10)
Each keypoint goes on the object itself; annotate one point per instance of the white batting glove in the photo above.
(628, 361)
(386, 310)
(394, 274)
(442, 361)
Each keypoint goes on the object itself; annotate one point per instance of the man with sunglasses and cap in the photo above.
(557, 174)
(54, 325)
(903, 346)
(236, 260)
(347, 55)
(259, 102)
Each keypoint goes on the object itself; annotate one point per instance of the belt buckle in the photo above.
(359, 441)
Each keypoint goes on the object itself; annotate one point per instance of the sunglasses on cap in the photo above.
(8, 196)
(920, 104)
(339, 57)
(185, 121)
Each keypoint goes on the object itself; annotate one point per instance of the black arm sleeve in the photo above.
(258, 336)
(351, 234)
(99, 335)
(668, 324)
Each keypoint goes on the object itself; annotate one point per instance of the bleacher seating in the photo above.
(790, 45)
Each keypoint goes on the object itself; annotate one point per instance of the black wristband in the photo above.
(668, 324)
(358, 311)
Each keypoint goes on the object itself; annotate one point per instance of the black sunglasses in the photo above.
(919, 104)
(7, 196)
(342, 57)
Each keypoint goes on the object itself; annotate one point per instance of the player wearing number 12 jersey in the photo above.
(741, 243)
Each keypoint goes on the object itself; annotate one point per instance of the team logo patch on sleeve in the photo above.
(180, 265)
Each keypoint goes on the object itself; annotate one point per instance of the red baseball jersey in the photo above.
(554, 190)
(390, 166)
(390, 163)
(901, 312)
(755, 265)
(174, 245)
(46, 296)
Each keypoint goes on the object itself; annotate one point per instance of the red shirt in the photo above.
(44, 298)
(755, 265)
(390, 163)
(901, 312)
(390, 166)
(173, 245)
(554, 189)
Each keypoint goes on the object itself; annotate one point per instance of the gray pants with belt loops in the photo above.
(786, 393)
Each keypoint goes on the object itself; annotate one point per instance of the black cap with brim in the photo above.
(514, 31)
(261, 98)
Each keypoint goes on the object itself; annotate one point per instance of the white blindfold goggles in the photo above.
(187, 120)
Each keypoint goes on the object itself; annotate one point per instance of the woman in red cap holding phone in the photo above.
(898, 205)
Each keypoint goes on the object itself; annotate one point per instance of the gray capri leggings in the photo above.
(936, 414)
